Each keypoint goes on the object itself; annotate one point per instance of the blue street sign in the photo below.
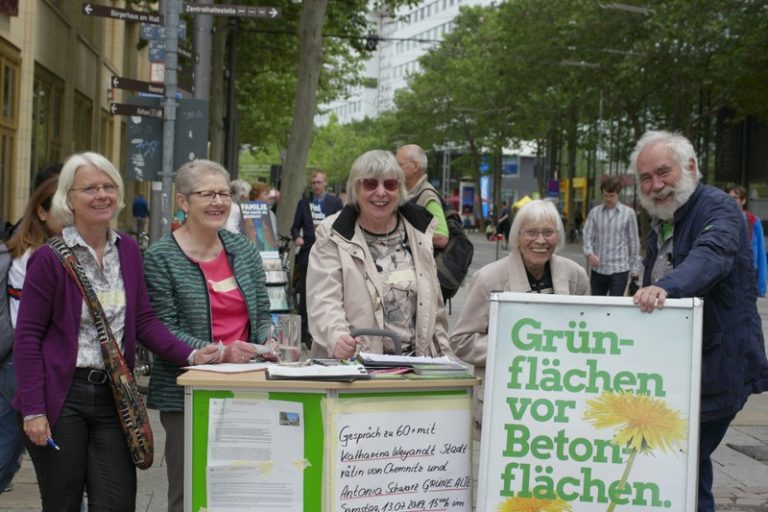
(151, 32)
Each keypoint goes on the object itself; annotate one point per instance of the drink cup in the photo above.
(289, 338)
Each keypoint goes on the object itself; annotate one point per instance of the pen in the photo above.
(52, 444)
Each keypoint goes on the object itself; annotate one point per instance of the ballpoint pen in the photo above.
(52, 444)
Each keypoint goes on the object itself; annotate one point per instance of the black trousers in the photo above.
(303, 302)
(608, 284)
(711, 434)
(94, 455)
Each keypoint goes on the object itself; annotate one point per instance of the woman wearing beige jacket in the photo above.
(535, 235)
(372, 266)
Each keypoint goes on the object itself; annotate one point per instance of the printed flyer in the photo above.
(590, 405)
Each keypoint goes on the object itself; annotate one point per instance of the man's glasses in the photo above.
(533, 234)
(210, 195)
(371, 184)
(92, 190)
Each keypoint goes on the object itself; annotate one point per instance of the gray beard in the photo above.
(681, 192)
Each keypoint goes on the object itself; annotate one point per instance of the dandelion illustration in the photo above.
(643, 423)
(516, 504)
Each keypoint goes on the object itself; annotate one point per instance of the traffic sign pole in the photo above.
(172, 10)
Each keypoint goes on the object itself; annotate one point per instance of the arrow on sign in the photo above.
(238, 11)
(125, 109)
(121, 14)
(137, 85)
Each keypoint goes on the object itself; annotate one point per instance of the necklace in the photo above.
(381, 238)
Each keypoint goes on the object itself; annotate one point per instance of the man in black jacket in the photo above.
(698, 247)
(309, 213)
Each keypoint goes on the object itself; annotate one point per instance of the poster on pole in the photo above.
(590, 405)
(260, 227)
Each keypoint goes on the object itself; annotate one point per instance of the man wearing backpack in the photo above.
(453, 250)
(413, 161)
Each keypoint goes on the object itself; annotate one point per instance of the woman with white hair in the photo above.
(372, 267)
(73, 431)
(205, 283)
(531, 266)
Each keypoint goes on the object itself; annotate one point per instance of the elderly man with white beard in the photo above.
(698, 246)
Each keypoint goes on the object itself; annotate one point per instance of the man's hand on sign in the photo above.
(650, 297)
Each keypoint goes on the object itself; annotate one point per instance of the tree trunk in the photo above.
(305, 105)
(217, 98)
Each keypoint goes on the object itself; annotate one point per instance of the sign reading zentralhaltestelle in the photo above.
(590, 405)
(238, 11)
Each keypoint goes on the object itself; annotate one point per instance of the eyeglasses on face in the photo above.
(533, 234)
(371, 184)
(92, 190)
(210, 195)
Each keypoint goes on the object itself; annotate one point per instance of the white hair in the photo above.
(60, 207)
(536, 211)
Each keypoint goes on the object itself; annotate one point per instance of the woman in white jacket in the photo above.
(532, 266)
(372, 266)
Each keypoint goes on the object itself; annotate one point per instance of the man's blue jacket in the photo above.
(712, 259)
(303, 226)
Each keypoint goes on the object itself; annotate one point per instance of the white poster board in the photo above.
(590, 403)
(401, 454)
(255, 455)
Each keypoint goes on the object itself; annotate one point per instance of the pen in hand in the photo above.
(52, 444)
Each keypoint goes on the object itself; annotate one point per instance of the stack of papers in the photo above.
(420, 366)
(338, 372)
(441, 371)
(382, 360)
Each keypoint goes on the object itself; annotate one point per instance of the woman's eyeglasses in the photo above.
(210, 195)
(94, 189)
(371, 184)
(533, 234)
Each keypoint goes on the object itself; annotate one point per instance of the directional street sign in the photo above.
(137, 85)
(124, 109)
(240, 11)
(121, 14)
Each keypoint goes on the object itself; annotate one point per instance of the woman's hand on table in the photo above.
(238, 352)
(209, 354)
(346, 346)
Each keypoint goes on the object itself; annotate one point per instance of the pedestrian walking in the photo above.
(309, 213)
(611, 243)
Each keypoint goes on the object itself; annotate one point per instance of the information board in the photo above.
(401, 454)
(590, 404)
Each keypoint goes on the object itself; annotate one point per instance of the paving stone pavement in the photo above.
(741, 481)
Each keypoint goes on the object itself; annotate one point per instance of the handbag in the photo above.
(134, 419)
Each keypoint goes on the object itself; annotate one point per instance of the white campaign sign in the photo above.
(590, 404)
(415, 458)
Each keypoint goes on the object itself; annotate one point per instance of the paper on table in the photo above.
(316, 370)
(393, 360)
(252, 366)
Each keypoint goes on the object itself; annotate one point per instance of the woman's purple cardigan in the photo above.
(45, 342)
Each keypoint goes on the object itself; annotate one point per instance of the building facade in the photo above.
(56, 65)
(404, 37)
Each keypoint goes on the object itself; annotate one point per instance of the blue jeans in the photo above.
(608, 284)
(11, 437)
(711, 434)
(94, 455)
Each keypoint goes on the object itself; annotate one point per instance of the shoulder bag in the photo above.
(130, 407)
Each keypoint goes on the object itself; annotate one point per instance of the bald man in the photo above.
(413, 161)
